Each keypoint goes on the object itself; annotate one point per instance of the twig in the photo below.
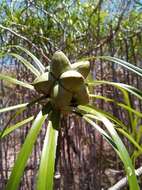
(124, 180)
(108, 38)
(27, 40)
(51, 15)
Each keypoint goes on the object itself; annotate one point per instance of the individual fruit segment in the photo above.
(60, 63)
(83, 67)
(60, 97)
(43, 83)
(71, 80)
(82, 96)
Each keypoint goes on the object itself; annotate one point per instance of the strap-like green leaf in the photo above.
(15, 81)
(122, 131)
(128, 108)
(13, 107)
(24, 153)
(26, 63)
(130, 138)
(122, 151)
(46, 170)
(14, 115)
(36, 60)
(125, 64)
(121, 62)
(120, 86)
(98, 128)
(17, 125)
(110, 117)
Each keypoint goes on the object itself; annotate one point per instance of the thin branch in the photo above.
(120, 184)
(27, 40)
(108, 38)
(51, 15)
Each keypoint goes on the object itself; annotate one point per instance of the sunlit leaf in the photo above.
(15, 81)
(13, 107)
(122, 151)
(125, 64)
(128, 108)
(36, 60)
(17, 125)
(24, 153)
(26, 63)
(46, 170)
(120, 86)
(130, 138)
(98, 128)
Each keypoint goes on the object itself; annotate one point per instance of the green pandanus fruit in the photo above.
(64, 83)
(60, 63)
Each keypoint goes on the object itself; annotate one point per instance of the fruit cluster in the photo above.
(64, 82)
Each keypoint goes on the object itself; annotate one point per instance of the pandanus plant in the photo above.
(63, 89)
